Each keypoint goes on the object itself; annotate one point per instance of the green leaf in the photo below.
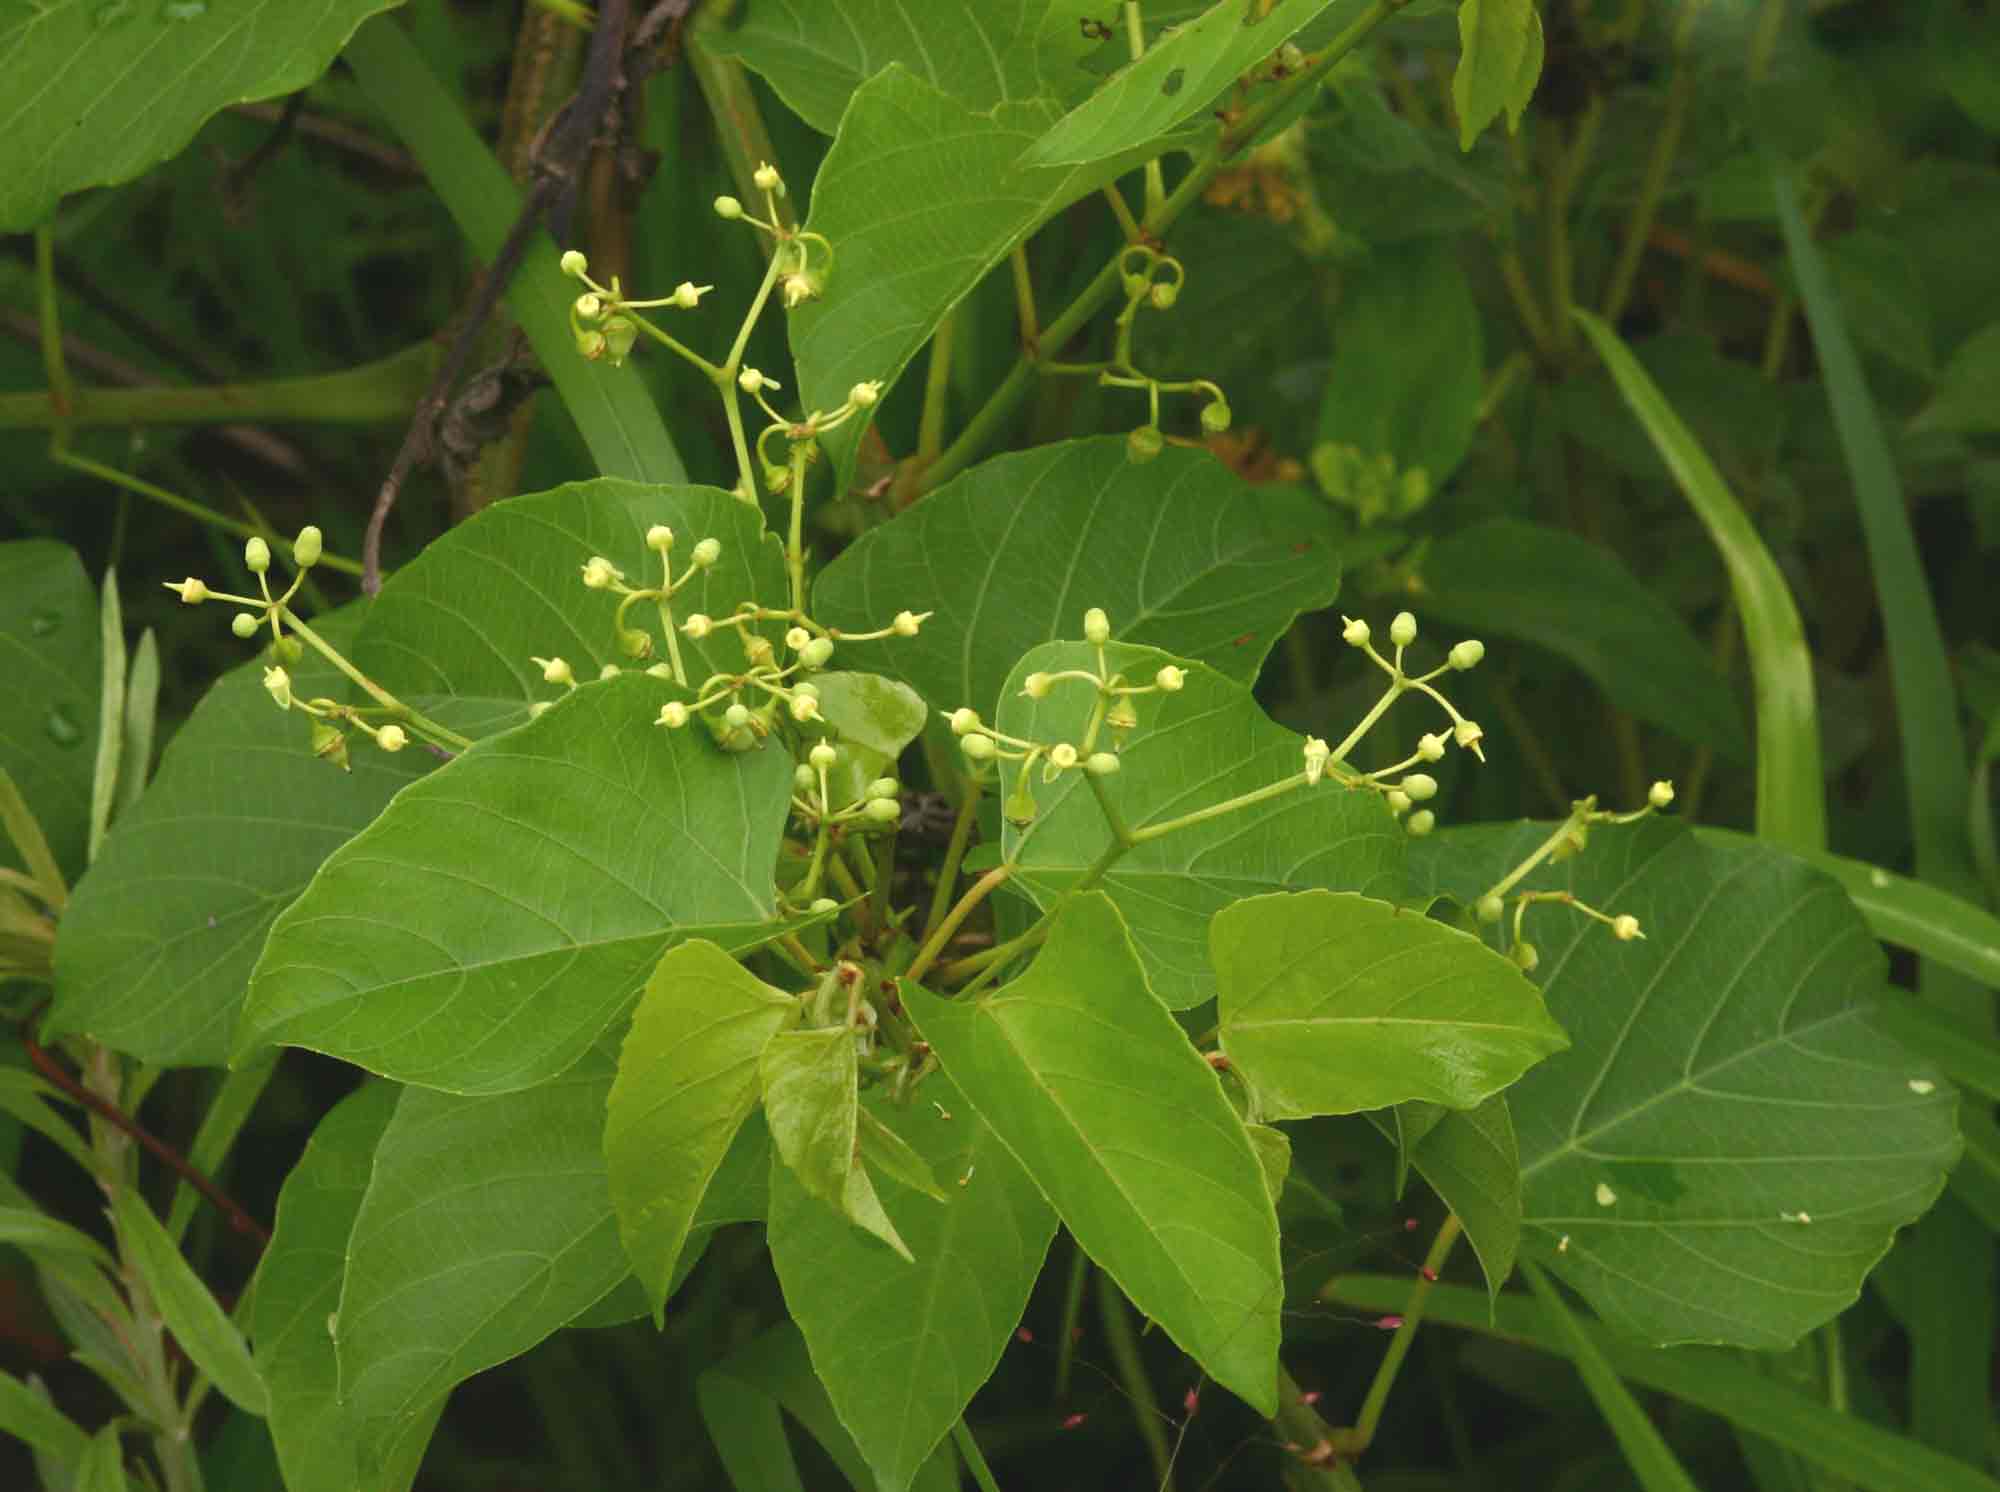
(487, 1224)
(1791, 802)
(27, 1415)
(1499, 61)
(508, 908)
(30, 1230)
(28, 1099)
(1274, 1157)
(875, 719)
(613, 408)
(913, 165)
(1095, 1089)
(110, 713)
(523, 561)
(1542, 585)
(102, 1468)
(1730, 1142)
(1645, 1449)
(228, 1111)
(1883, 291)
(980, 52)
(687, 1079)
(1848, 1445)
(159, 941)
(50, 650)
(1177, 79)
(142, 708)
(1964, 402)
(205, 1333)
(1470, 1159)
(100, 93)
(1408, 371)
(811, 1101)
(902, 1348)
(1333, 1003)
(292, 1314)
(1192, 749)
(1181, 553)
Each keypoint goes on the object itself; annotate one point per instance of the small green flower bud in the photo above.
(816, 653)
(1096, 626)
(1216, 416)
(697, 626)
(1421, 822)
(1403, 629)
(661, 671)
(540, 707)
(308, 547)
(620, 332)
(1019, 809)
(824, 755)
(1136, 286)
(882, 811)
(1163, 295)
(752, 381)
(1123, 714)
(635, 644)
(805, 781)
(574, 264)
(1420, 786)
(554, 671)
(591, 345)
(979, 748)
(727, 208)
(767, 178)
(707, 552)
(191, 591)
(673, 715)
(865, 395)
(1489, 909)
(823, 905)
(796, 638)
(1526, 957)
(1102, 763)
(807, 689)
(799, 287)
(1467, 654)
(588, 306)
(687, 295)
(1317, 754)
(883, 787)
(1625, 928)
(908, 623)
(287, 650)
(329, 744)
(599, 574)
(1036, 685)
(278, 684)
(1062, 756)
(963, 720)
(1143, 444)
(244, 624)
(659, 538)
(1355, 634)
(1398, 801)
(392, 738)
(804, 706)
(257, 556)
(1660, 794)
(737, 716)
(1466, 732)
(1171, 679)
(612, 670)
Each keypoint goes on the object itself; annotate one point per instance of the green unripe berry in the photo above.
(308, 546)
(726, 208)
(883, 787)
(736, 716)
(979, 748)
(288, 650)
(574, 264)
(1102, 763)
(256, 556)
(1467, 654)
(1526, 957)
(1143, 444)
(391, 738)
(1216, 417)
(824, 755)
(1037, 685)
(1422, 822)
(882, 811)
(1163, 295)
(1489, 909)
(1403, 629)
(244, 624)
(1096, 626)
(816, 653)
(1420, 786)
(822, 905)
(707, 552)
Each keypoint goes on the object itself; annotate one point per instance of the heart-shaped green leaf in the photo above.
(902, 1348)
(1192, 749)
(1729, 1144)
(687, 1079)
(1333, 1003)
(1094, 1087)
(505, 910)
(1182, 553)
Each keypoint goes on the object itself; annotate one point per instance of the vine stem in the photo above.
(941, 934)
(1146, 1413)
(954, 850)
(975, 1460)
(1094, 296)
(1399, 1346)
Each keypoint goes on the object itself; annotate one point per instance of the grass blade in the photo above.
(1791, 798)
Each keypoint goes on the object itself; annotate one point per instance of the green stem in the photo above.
(809, 887)
(1109, 280)
(1124, 1344)
(1079, 1277)
(968, 1448)
(443, 735)
(1399, 1347)
(739, 122)
(1112, 817)
(954, 850)
(942, 933)
(1216, 810)
(62, 393)
(795, 549)
(378, 391)
(1135, 38)
(1659, 163)
(1548, 847)
(1562, 262)
(937, 388)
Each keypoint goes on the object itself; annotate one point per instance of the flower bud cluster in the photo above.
(604, 321)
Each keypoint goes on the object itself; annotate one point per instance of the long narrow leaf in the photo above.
(1710, 1378)
(612, 407)
(142, 713)
(1652, 1460)
(1931, 923)
(210, 1338)
(111, 714)
(1791, 801)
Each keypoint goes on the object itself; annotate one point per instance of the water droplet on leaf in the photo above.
(42, 623)
(62, 730)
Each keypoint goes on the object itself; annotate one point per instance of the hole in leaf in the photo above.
(1173, 81)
